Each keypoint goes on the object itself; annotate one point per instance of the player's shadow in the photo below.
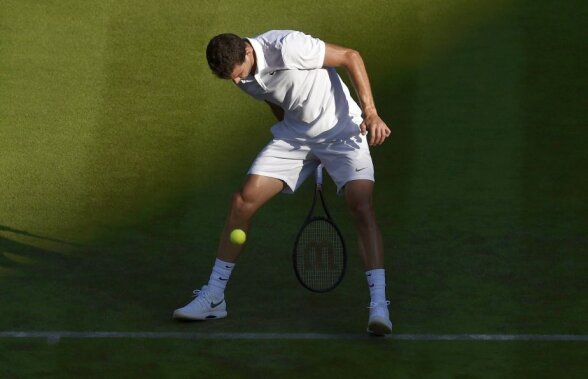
(15, 254)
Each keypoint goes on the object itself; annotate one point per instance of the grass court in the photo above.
(119, 152)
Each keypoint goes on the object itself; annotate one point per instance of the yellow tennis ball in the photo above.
(238, 237)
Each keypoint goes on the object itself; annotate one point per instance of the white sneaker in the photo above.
(379, 322)
(203, 307)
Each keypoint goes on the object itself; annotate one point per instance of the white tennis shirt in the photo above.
(317, 104)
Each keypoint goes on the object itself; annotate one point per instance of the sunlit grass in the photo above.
(112, 117)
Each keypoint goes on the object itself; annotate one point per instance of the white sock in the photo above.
(377, 284)
(221, 272)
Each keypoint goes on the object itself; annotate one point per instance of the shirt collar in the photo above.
(260, 61)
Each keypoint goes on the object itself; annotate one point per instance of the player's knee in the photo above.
(361, 208)
(241, 205)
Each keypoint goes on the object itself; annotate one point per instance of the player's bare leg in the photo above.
(358, 195)
(256, 191)
(210, 302)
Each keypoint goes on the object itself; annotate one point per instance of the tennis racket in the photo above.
(319, 255)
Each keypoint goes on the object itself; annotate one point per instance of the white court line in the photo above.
(56, 336)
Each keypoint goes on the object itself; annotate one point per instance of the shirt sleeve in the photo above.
(302, 51)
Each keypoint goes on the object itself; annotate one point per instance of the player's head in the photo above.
(224, 52)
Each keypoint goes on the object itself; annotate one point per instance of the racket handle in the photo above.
(319, 175)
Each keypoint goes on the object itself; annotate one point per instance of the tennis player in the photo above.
(318, 121)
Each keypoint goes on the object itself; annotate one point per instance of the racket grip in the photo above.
(319, 175)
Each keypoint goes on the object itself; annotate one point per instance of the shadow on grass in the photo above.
(15, 254)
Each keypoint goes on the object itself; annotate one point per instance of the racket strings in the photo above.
(320, 255)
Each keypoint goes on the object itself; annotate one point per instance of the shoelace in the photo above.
(201, 295)
(374, 305)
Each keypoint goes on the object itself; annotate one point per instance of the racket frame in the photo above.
(309, 219)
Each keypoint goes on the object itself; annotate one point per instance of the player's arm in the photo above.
(338, 56)
(276, 110)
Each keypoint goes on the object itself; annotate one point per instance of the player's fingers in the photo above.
(385, 134)
(382, 137)
(363, 128)
(379, 137)
(373, 134)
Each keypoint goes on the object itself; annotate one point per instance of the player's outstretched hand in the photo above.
(378, 129)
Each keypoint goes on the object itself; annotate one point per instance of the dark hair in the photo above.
(224, 52)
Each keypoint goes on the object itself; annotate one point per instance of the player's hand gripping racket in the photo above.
(319, 251)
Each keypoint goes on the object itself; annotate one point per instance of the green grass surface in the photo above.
(287, 359)
(119, 152)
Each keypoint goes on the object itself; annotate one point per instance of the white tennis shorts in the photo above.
(292, 161)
